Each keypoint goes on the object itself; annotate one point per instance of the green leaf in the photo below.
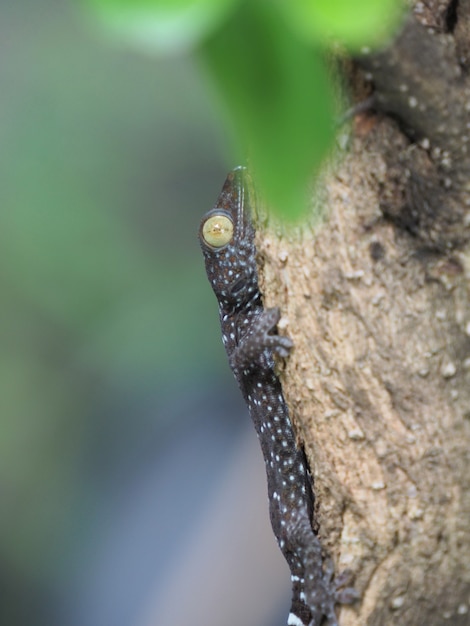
(167, 26)
(278, 97)
(354, 23)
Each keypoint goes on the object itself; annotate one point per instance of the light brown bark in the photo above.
(379, 380)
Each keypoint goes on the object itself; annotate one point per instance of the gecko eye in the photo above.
(217, 230)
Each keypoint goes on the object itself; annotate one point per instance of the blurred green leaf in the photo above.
(164, 25)
(355, 23)
(278, 96)
(271, 78)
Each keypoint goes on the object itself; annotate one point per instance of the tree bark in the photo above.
(375, 295)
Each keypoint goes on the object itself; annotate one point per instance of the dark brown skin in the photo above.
(249, 335)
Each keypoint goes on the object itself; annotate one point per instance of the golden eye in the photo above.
(217, 231)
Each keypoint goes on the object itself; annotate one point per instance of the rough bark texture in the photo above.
(376, 298)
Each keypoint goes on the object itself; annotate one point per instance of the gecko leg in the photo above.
(260, 336)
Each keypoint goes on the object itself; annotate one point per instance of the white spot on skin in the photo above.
(293, 620)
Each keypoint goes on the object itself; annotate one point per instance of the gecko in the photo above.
(251, 340)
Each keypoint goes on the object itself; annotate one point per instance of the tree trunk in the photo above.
(375, 296)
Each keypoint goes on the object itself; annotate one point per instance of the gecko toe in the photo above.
(283, 346)
(280, 344)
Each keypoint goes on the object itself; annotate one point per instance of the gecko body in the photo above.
(250, 338)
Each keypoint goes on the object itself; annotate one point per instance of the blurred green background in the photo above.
(109, 331)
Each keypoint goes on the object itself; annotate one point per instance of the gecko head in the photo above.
(227, 240)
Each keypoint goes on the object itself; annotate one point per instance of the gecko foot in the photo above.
(260, 337)
(339, 593)
(280, 344)
(345, 593)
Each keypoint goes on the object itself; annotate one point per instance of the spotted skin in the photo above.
(249, 335)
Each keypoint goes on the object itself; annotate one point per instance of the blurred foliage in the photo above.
(266, 60)
(107, 318)
(93, 144)
(352, 24)
(166, 25)
(279, 99)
